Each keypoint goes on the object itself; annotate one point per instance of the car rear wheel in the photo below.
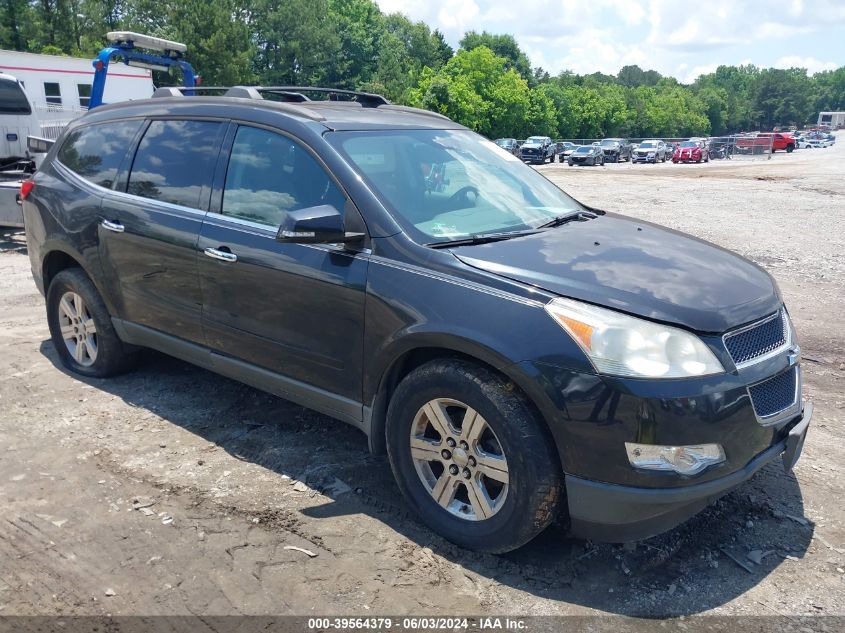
(471, 456)
(81, 328)
(789, 149)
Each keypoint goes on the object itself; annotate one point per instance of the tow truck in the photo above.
(132, 49)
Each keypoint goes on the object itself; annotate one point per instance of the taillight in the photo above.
(26, 188)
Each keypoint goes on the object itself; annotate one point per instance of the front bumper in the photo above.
(591, 417)
(636, 158)
(608, 512)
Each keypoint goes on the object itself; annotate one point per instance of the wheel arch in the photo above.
(421, 352)
(59, 258)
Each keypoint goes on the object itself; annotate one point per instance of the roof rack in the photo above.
(177, 91)
(291, 94)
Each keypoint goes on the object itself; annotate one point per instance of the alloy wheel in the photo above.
(459, 459)
(78, 329)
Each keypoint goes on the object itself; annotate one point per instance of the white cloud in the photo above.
(675, 38)
(812, 64)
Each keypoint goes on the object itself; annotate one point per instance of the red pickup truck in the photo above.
(780, 140)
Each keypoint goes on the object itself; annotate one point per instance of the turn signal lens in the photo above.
(684, 460)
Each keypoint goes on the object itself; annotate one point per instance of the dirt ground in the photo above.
(174, 491)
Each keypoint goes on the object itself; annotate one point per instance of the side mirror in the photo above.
(322, 224)
(38, 145)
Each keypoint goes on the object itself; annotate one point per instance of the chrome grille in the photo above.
(759, 339)
(776, 395)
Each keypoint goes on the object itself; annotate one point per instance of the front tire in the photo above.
(471, 457)
(81, 327)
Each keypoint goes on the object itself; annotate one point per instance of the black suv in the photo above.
(616, 149)
(518, 355)
(538, 149)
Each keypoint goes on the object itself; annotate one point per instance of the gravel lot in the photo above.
(174, 491)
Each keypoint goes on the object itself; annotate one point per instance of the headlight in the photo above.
(622, 345)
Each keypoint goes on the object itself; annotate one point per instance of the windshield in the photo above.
(647, 145)
(584, 149)
(536, 140)
(609, 143)
(504, 142)
(12, 98)
(449, 184)
(689, 144)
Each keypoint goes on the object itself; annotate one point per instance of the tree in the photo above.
(360, 29)
(634, 76)
(295, 41)
(502, 46)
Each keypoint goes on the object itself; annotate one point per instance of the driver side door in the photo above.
(290, 314)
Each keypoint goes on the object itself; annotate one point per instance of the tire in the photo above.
(789, 149)
(75, 309)
(512, 512)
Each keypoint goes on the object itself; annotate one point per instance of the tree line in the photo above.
(488, 83)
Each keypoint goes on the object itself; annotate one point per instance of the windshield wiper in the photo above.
(569, 217)
(482, 238)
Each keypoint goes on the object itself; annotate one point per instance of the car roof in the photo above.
(334, 115)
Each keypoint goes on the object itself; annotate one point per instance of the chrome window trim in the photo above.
(759, 359)
(788, 412)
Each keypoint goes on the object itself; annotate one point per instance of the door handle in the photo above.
(225, 256)
(117, 227)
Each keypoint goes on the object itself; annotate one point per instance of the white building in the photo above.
(834, 120)
(53, 82)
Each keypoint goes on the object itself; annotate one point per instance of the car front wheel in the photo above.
(471, 456)
(81, 328)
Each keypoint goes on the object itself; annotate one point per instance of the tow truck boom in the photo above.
(124, 48)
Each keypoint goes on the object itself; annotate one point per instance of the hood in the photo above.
(636, 267)
(530, 146)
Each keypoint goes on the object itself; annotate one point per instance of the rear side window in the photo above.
(13, 99)
(174, 161)
(95, 152)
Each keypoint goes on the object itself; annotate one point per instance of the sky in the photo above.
(679, 38)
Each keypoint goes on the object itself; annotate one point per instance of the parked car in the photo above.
(616, 149)
(564, 149)
(780, 141)
(509, 144)
(586, 155)
(801, 141)
(538, 149)
(649, 151)
(518, 355)
(819, 142)
(567, 152)
(691, 151)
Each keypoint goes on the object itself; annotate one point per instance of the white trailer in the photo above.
(54, 82)
(833, 120)
(39, 96)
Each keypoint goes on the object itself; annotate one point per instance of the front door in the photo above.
(296, 310)
(149, 230)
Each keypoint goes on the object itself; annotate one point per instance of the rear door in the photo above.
(150, 225)
(293, 309)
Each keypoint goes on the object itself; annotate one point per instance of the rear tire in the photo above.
(81, 328)
(493, 482)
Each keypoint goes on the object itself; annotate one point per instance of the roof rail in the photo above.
(286, 93)
(366, 99)
(177, 91)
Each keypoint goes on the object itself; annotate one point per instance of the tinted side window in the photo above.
(269, 175)
(175, 159)
(95, 152)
